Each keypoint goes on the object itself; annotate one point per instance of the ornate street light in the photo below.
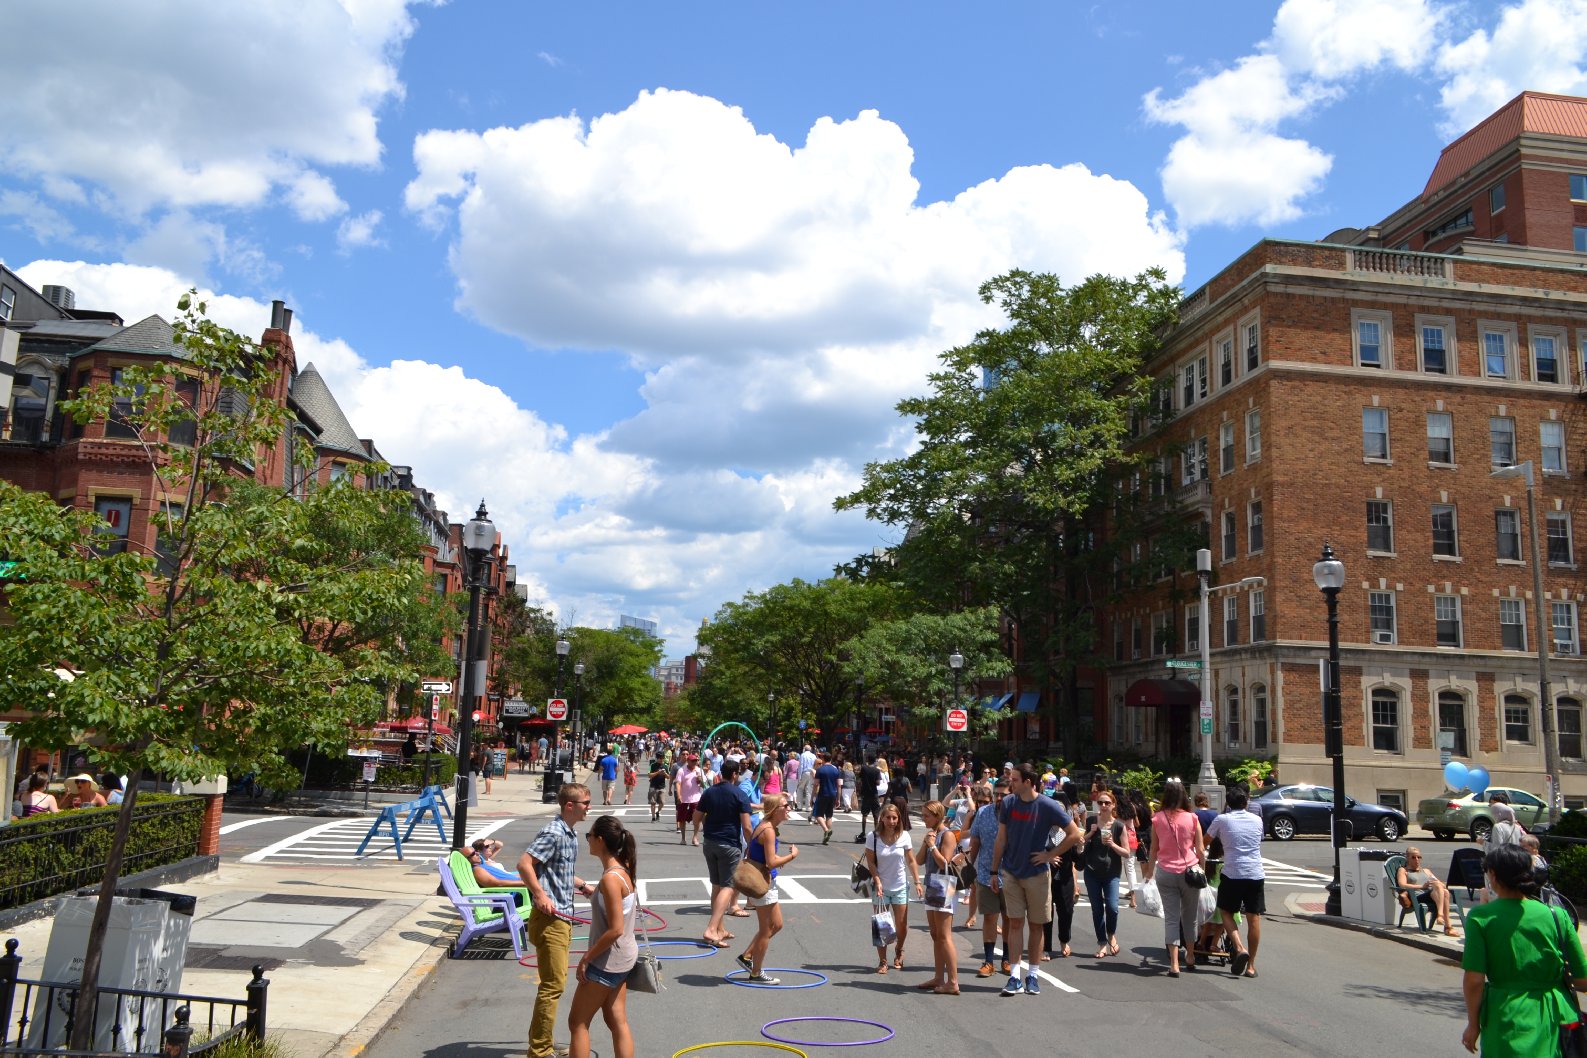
(479, 536)
(1329, 573)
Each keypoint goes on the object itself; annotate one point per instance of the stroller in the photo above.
(1213, 944)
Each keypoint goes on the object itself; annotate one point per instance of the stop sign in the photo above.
(556, 709)
(957, 720)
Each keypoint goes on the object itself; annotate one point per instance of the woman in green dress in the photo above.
(1517, 949)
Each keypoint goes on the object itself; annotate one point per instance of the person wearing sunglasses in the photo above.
(488, 872)
(546, 868)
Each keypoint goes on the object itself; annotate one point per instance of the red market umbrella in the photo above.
(419, 723)
(630, 729)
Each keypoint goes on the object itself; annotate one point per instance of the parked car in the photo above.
(1467, 813)
(1302, 809)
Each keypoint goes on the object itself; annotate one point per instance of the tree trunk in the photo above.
(88, 986)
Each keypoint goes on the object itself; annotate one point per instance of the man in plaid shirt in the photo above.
(547, 869)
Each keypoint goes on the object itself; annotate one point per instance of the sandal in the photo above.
(1066, 952)
(1102, 952)
(739, 912)
(1113, 947)
(929, 986)
(881, 967)
(946, 990)
(898, 962)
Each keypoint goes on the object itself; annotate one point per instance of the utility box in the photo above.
(1377, 896)
(1350, 883)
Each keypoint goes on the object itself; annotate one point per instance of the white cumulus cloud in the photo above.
(1537, 44)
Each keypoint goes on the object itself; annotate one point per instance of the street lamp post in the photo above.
(1547, 710)
(579, 728)
(771, 716)
(1207, 779)
(854, 725)
(1329, 573)
(479, 535)
(955, 662)
(554, 758)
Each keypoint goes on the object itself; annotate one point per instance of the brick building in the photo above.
(1355, 392)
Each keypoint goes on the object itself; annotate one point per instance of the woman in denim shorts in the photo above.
(613, 950)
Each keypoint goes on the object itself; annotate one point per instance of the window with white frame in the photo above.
(1545, 356)
(1501, 440)
(1372, 339)
(1136, 646)
(1518, 719)
(1551, 433)
(1446, 617)
(1253, 526)
(1380, 526)
(1231, 621)
(1452, 720)
(1252, 340)
(1386, 720)
(1560, 551)
(1253, 435)
(1380, 611)
(1225, 362)
(1202, 388)
(1568, 711)
(1435, 344)
(1226, 448)
(1231, 714)
(1375, 433)
(8, 301)
(1258, 716)
(1507, 534)
(1193, 629)
(1563, 618)
(1230, 538)
(1187, 385)
(1162, 633)
(1258, 615)
(1512, 625)
(1446, 540)
(1498, 345)
(1193, 462)
(1440, 437)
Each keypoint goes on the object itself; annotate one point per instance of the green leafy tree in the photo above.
(1023, 454)
(619, 683)
(905, 661)
(260, 622)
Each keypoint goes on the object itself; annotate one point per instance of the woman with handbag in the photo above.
(937, 851)
(1131, 878)
(763, 853)
(1063, 883)
(888, 850)
(1177, 861)
(1106, 849)
(1523, 963)
(604, 968)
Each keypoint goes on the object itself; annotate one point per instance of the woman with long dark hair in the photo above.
(1177, 846)
(603, 970)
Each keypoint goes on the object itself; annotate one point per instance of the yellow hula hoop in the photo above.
(742, 1043)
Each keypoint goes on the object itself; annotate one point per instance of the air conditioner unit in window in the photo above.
(1383, 637)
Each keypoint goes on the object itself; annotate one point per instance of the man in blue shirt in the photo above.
(608, 766)
(1024, 869)
(827, 778)
(725, 808)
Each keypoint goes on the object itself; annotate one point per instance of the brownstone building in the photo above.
(1357, 392)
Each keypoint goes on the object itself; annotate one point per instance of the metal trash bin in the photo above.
(553, 782)
(1377, 896)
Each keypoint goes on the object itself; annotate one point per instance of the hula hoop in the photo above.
(742, 1043)
(658, 918)
(728, 977)
(710, 949)
(815, 1043)
(529, 960)
(760, 768)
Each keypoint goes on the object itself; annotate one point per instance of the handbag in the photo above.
(751, 880)
(860, 878)
(1572, 1035)
(966, 875)
(646, 974)
(883, 929)
(1195, 877)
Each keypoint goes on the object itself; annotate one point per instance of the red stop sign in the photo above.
(557, 709)
(957, 720)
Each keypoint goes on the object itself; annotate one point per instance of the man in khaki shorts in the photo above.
(1024, 875)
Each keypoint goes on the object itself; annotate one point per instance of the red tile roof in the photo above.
(1549, 115)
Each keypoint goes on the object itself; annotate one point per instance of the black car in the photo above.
(1302, 809)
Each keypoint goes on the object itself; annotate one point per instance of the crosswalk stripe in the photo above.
(339, 840)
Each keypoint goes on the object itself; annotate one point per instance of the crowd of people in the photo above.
(32, 796)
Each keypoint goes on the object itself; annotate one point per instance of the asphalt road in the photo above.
(1322, 991)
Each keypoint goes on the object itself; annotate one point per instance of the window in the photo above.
(1512, 624)
(1258, 716)
(1135, 638)
(185, 431)
(1369, 342)
(1452, 720)
(1501, 441)
(1579, 239)
(164, 544)
(1193, 462)
(1563, 618)
(1386, 720)
(116, 513)
(1578, 187)
(1231, 713)
(1440, 437)
(1392, 799)
(1187, 386)
(1375, 433)
(1230, 542)
(1445, 541)
(1253, 345)
(1231, 621)
(1225, 362)
(1162, 633)
(1380, 526)
(1446, 615)
(1517, 718)
(1559, 544)
(1507, 532)
(1253, 435)
(1496, 354)
(1258, 615)
(1545, 357)
(1201, 378)
(1380, 608)
(117, 425)
(8, 302)
(1254, 526)
(1118, 640)
(1551, 433)
(1496, 198)
(1435, 355)
(1568, 712)
(1455, 223)
(1193, 629)
(1226, 448)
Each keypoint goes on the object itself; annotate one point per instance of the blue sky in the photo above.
(650, 277)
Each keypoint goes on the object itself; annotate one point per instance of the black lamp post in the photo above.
(854, 727)
(1329, 573)
(578, 714)
(548, 785)
(955, 662)
(479, 535)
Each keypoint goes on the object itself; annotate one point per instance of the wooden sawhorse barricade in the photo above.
(429, 803)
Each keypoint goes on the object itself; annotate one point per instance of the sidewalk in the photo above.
(343, 945)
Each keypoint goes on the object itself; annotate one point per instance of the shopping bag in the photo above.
(883, 931)
(1206, 906)
(1148, 901)
(940, 890)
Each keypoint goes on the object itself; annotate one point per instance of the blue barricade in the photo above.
(415, 812)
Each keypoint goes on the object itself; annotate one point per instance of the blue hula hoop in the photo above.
(728, 977)
(814, 1043)
(710, 949)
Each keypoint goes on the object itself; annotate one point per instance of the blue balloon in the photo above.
(1477, 779)
(1456, 774)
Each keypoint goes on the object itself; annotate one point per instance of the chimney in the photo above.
(276, 309)
(286, 320)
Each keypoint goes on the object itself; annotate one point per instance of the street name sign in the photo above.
(1183, 663)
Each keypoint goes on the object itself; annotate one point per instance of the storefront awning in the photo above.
(1001, 702)
(1157, 693)
(1028, 701)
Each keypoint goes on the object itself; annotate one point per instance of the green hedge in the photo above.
(1567, 870)
(47, 855)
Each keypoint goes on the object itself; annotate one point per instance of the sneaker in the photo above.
(826, 838)
(1032, 986)
(1013, 987)
(985, 970)
(743, 960)
(764, 980)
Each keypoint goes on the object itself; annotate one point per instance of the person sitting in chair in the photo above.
(1434, 894)
(489, 873)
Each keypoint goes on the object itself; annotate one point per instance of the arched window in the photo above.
(1386, 720)
(1231, 713)
(1518, 719)
(1258, 716)
(1569, 712)
(1452, 722)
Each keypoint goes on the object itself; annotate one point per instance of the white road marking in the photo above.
(339, 840)
(229, 827)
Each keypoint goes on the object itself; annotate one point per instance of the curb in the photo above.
(1427, 944)
(370, 1027)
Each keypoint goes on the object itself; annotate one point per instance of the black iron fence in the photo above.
(47, 855)
(37, 1017)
